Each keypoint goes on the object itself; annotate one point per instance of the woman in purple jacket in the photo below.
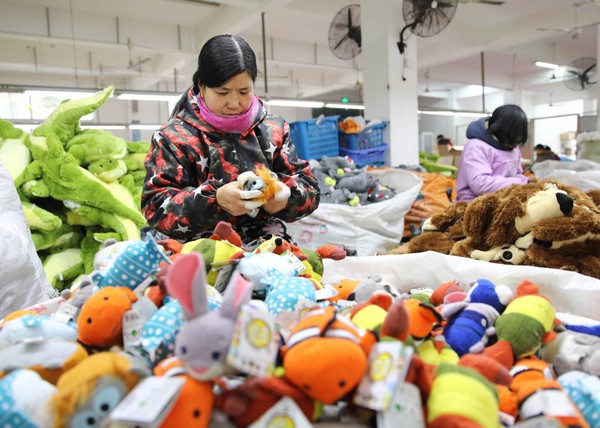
(491, 159)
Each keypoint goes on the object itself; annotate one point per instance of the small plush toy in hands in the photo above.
(259, 187)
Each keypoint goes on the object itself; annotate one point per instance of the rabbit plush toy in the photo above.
(203, 341)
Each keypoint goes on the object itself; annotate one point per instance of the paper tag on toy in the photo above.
(538, 422)
(134, 320)
(421, 290)
(296, 263)
(405, 409)
(285, 413)
(65, 312)
(223, 276)
(139, 290)
(388, 365)
(327, 292)
(253, 349)
(149, 403)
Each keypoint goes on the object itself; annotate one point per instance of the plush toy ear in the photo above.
(451, 309)
(479, 215)
(186, 281)
(237, 293)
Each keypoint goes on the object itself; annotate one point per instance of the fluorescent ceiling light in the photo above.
(140, 96)
(145, 127)
(345, 106)
(70, 94)
(296, 103)
(108, 127)
(546, 65)
(453, 113)
(436, 112)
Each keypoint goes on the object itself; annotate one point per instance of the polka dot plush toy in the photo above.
(130, 265)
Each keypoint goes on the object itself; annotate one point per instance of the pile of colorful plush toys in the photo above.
(212, 334)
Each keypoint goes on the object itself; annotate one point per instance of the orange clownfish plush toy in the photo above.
(316, 346)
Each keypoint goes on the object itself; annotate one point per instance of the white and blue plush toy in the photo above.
(284, 292)
(127, 263)
(24, 398)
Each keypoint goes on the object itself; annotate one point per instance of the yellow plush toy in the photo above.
(91, 390)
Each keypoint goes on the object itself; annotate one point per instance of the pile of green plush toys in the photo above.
(77, 187)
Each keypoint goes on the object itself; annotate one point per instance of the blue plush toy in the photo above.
(127, 263)
(469, 326)
(484, 291)
(584, 390)
(284, 292)
(24, 396)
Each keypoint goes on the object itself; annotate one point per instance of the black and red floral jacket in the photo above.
(189, 160)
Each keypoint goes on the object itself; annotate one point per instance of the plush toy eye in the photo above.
(215, 355)
(183, 350)
(106, 399)
(196, 414)
(342, 383)
(483, 322)
(84, 418)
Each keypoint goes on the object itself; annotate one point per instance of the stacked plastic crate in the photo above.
(367, 147)
(315, 138)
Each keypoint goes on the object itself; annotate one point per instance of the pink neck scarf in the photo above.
(237, 124)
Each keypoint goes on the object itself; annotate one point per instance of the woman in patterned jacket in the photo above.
(218, 130)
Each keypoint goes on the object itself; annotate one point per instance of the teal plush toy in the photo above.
(128, 263)
(284, 292)
(25, 399)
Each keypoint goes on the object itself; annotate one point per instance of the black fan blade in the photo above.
(349, 18)
(590, 68)
(341, 41)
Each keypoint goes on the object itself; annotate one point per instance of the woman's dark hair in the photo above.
(508, 124)
(223, 57)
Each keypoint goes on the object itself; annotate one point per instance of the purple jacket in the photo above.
(484, 167)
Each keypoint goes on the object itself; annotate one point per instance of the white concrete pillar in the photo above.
(597, 74)
(387, 96)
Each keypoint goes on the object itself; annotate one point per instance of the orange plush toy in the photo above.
(260, 186)
(326, 355)
(193, 407)
(100, 322)
(538, 393)
(249, 401)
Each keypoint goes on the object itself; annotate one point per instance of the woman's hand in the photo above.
(279, 202)
(229, 197)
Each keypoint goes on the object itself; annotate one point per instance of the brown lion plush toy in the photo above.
(544, 223)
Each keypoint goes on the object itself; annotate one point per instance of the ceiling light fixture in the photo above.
(65, 94)
(106, 127)
(546, 65)
(147, 96)
(453, 113)
(345, 106)
(296, 103)
(145, 127)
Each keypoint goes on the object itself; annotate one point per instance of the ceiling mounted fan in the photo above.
(426, 18)
(345, 39)
(580, 74)
(574, 31)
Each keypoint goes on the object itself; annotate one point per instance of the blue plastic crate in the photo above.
(315, 138)
(372, 156)
(371, 136)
